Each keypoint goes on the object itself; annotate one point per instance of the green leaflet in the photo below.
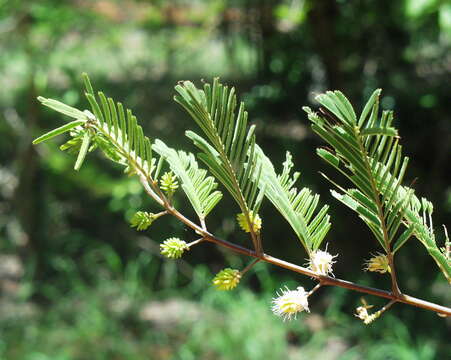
(58, 131)
(109, 150)
(63, 108)
(72, 146)
(198, 187)
(404, 237)
(370, 106)
(329, 157)
(83, 151)
(389, 131)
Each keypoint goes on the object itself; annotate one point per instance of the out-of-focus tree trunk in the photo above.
(322, 21)
(28, 197)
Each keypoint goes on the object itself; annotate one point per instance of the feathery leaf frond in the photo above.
(228, 148)
(418, 222)
(367, 152)
(298, 207)
(198, 187)
(114, 130)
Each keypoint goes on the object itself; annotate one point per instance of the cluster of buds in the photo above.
(173, 248)
(227, 279)
(289, 303)
(255, 221)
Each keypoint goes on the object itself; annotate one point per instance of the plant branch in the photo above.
(324, 280)
(155, 192)
(135, 148)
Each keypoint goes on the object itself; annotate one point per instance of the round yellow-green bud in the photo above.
(141, 220)
(256, 222)
(378, 263)
(173, 248)
(169, 183)
(227, 279)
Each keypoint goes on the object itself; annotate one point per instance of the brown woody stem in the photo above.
(323, 279)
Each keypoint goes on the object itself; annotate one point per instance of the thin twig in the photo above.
(250, 266)
(202, 223)
(195, 242)
(314, 289)
(388, 306)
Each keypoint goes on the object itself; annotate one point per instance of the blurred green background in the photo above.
(77, 282)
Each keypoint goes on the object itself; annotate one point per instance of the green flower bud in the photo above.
(227, 279)
(173, 248)
(142, 220)
(169, 183)
(255, 220)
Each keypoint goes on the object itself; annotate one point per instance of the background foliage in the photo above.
(77, 281)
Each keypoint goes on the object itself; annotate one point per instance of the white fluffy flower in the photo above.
(321, 262)
(289, 302)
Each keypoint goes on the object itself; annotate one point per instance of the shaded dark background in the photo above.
(77, 282)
